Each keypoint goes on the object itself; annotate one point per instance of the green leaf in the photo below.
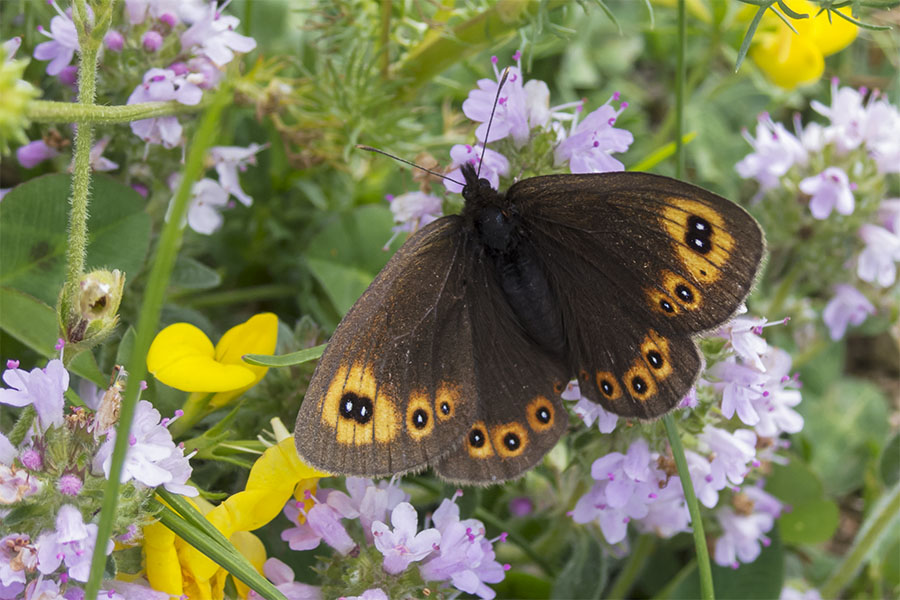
(285, 360)
(524, 586)
(812, 517)
(190, 274)
(760, 579)
(583, 575)
(810, 523)
(34, 218)
(347, 254)
(844, 424)
(890, 461)
(34, 324)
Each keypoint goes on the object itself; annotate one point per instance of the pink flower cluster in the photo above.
(452, 549)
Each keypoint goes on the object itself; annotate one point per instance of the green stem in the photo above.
(703, 567)
(76, 246)
(48, 111)
(680, 76)
(163, 261)
(633, 567)
(876, 525)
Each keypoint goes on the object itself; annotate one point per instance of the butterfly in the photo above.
(456, 355)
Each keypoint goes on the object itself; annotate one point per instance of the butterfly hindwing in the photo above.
(639, 263)
(520, 416)
(394, 389)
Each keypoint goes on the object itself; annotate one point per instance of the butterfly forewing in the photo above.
(395, 388)
(639, 263)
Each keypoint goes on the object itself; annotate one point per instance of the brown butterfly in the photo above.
(456, 354)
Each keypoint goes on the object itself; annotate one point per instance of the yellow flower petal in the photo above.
(257, 335)
(254, 551)
(181, 356)
(788, 60)
(834, 36)
(161, 560)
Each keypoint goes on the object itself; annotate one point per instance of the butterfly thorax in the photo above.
(494, 225)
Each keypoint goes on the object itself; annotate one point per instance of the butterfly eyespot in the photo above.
(558, 388)
(540, 414)
(608, 385)
(419, 422)
(420, 419)
(639, 385)
(445, 401)
(358, 408)
(699, 225)
(655, 350)
(684, 293)
(655, 359)
(510, 439)
(477, 438)
(666, 306)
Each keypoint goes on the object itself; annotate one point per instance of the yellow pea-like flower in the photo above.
(791, 59)
(182, 357)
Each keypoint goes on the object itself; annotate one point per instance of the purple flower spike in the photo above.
(213, 35)
(41, 388)
(64, 42)
(152, 41)
(114, 40)
(878, 260)
(494, 165)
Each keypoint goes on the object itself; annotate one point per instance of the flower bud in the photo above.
(93, 313)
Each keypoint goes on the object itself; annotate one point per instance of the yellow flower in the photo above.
(790, 59)
(182, 357)
(172, 564)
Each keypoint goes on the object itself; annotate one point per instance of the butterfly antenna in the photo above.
(410, 163)
(491, 119)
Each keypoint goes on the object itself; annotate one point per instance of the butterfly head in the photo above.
(476, 189)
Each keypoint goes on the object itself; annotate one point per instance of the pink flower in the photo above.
(152, 40)
(848, 117)
(41, 388)
(161, 85)
(511, 112)
(830, 190)
(414, 210)
(847, 307)
(64, 42)
(283, 577)
(743, 532)
(883, 135)
(323, 522)
(731, 452)
(152, 458)
(33, 153)
(228, 161)
(207, 198)
(743, 335)
(213, 36)
(590, 145)
(403, 545)
(494, 165)
(71, 543)
(590, 411)
(878, 260)
(775, 151)
(114, 40)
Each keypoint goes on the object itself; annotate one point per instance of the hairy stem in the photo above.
(48, 111)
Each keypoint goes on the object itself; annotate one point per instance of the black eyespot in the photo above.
(420, 418)
(348, 404)
(363, 410)
(699, 225)
(542, 414)
(684, 293)
(655, 358)
(666, 306)
(511, 441)
(445, 408)
(606, 387)
(476, 438)
(698, 243)
(639, 385)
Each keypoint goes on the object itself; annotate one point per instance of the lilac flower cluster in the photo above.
(521, 115)
(451, 550)
(829, 164)
(750, 382)
(35, 560)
